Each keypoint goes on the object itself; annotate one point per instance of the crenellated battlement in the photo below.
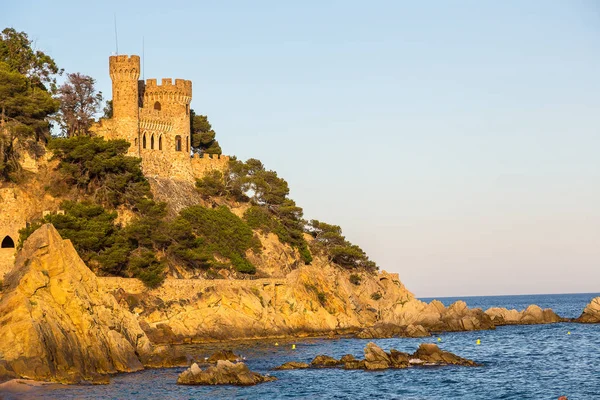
(202, 164)
(124, 67)
(180, 91)
(212, 157)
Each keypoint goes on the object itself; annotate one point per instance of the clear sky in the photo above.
(457, 142)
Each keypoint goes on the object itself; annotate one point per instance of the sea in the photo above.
(519, 362)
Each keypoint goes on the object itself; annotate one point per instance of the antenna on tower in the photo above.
(116, 37)
(143, 58)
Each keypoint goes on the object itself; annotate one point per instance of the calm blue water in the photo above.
(521, 362)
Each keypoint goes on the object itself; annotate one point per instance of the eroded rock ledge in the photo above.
(428, 354)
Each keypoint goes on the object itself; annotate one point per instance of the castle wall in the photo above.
(201, 165)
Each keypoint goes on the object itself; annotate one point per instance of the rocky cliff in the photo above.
(56, 325)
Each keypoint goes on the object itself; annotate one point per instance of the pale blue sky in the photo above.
(457, 142)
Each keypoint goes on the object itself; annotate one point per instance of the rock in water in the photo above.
(224, 373)
(293, 365)
(430, 353)
(55, 325)
(531, 315)
(324, 361)
(376, 358)
(225, 355)
(591, 313)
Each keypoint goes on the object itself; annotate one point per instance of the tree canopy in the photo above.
(79, 102)
(203, 136)
(101, 169)
(27, 82)
(329, 240)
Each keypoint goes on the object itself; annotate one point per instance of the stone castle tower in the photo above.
(155, 119)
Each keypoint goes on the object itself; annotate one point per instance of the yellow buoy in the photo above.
(293, 347)
(439, 339)
(569, 332)
(478, 341)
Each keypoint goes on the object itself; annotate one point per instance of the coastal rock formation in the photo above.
(591, 313)
(223, 355)
(57, 326)
(383, 330)
(428, 354)
(293, 365)
(431, 354)
(324, 361)
(224, 373)
(317, 299)
(531, 315)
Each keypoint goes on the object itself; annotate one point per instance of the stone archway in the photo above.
(7, 243)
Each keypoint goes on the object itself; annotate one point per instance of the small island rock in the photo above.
(591, 313)
(324, 361)
(293, 365)
(224, 373)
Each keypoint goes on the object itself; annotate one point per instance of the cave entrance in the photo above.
(7, 243)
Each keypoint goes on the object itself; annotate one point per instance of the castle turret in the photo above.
(155, 118)
(124, 72)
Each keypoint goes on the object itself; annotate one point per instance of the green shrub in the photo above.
(211, 184)
(376, 296)
(288, 230)
(322, 298)
(200, 233)
(355, 279)
(101, 169)
(330, 241)
(144, 266)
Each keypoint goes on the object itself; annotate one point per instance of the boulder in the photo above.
(292, 365)
(399, 359)
(224, 373)
(347, 358)
(324, 361)
(55, 323)
(223, 355)
(431, 354)
(376, 358)
(591, 313)
(416, 331)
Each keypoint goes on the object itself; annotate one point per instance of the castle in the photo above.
(155, 119)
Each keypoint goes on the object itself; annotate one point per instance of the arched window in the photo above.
(177, 143)
(7, 243)
(187, 144)
(144, 141)
(157, 106)
(160, 142)
(152, 142)
(135, 142)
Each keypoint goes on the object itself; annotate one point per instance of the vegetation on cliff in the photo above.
(203, 135)
(109, 211)
(27, 82)
(273, 211)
